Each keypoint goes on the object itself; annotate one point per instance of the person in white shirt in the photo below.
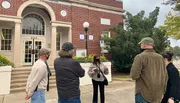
(38, 78)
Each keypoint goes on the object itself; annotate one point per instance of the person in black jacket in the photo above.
(68, 72)
(172, 91)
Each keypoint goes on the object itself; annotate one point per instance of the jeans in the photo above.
(95, 91)
(38, 97)
(71, 100)
(140, 99)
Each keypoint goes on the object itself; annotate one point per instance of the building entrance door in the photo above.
(31, 49)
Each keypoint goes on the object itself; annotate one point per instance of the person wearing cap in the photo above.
(68, 72)
(148, 71)
(38, 79)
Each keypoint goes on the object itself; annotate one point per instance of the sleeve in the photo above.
(106, 72)
(27, 85)
(136, 68)
(173, 78)
(166, 80)
(79, 71)
(90, 70)
(40, 73)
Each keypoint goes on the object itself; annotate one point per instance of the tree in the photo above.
(172, 26)
(175, 50)
(124, 45)
(173, 2)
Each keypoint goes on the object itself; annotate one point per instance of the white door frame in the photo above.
(30, 38)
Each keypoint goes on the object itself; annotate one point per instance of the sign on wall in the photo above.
(91, 36)
(81, 36)
(102, 43)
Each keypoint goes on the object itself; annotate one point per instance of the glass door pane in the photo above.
(28, 52)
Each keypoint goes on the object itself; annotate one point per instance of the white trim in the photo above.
(30, 2)
(10, 18)
(103, 8)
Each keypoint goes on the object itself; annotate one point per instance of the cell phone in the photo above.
(95, 70)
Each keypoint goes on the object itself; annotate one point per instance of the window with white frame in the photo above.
(6, 39)
(58, 41)
(105, 34)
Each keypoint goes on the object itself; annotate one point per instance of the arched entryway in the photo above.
(38, 28)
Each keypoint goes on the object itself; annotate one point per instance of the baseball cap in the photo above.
(67, 46)
(147, 40)
(43, 51)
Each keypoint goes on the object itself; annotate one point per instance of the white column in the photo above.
(70, 35)
(53, 45)
(17, 44)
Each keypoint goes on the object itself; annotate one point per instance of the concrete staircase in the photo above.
(19, 78)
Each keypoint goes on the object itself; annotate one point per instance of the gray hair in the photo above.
(63, 53)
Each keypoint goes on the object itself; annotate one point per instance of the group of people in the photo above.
(156, 78)
(68, 71)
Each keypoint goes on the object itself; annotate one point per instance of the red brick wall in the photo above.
(80, 15)
(15, 4)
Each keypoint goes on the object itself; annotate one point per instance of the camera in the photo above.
(98, 75)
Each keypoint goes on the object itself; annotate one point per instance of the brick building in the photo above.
(28, 25)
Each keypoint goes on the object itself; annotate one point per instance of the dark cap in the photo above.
(67, 46)
(147, 40)
(43, 51)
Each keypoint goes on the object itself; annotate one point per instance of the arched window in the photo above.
(33, 24)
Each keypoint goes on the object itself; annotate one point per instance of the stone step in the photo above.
(22, 89)
(25, 73)
(23, 84)
(23, 76)
(20, 80)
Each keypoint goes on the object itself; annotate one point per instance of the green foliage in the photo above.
(175, 50)
(124, 45)
(4, 61)
(89, 59)
(172, 26)
(173, 2)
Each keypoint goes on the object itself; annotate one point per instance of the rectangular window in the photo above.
(105, 34)
(6, 39)
(58, 41)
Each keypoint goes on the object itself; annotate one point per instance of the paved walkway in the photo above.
(116, 92)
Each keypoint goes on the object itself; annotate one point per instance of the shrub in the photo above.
(5, 61)
(89, 59)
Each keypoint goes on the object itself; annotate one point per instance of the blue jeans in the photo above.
(38, 97)
(71, 100)
(140, 99)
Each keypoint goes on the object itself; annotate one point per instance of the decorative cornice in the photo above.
(98, 5)
(91, 4)
(84, 3)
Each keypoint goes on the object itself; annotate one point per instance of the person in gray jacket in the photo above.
(68, 72)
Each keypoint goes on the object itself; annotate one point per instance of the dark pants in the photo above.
(95, 91)
(71, 100)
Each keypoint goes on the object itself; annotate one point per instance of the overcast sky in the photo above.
(135, 6)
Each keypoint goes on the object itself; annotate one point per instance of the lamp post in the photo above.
(86, 25)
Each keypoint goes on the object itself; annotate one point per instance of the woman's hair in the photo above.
(65, 54)
(95, 60)
(168, 55)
